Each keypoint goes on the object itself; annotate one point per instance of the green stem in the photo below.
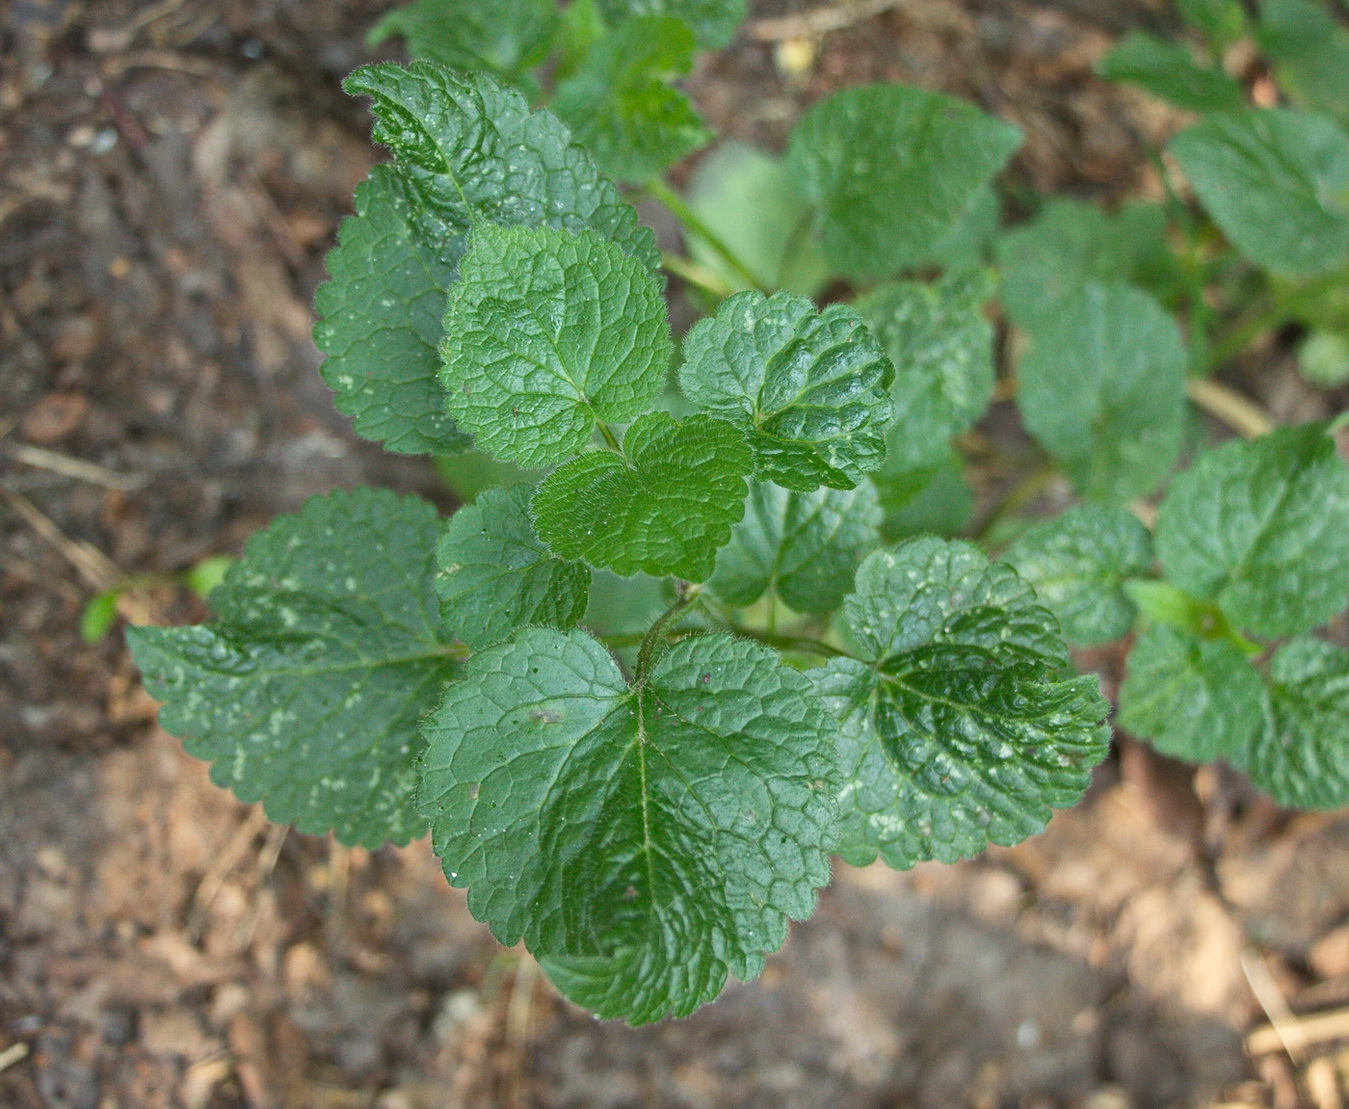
(685, 594)
(790, 642)
(694, 225)
(696, 275)
(1269, 316)
(609, 437)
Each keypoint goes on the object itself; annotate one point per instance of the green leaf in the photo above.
(805, 547)
(1323, 358)
(966, 245)
(1102, 388)
(505, 37)
(664, 506)
(643, 842)
(98, 615)
(471, 151)
(495, 575)
(1274, 181)
(1310, 52)
(1048, 261)
(547, 332)
(1078, 563)
(942, 349)
(204, 576)
(955, 729)
(931, 500)
(1221, 22)
(745, 198)
(713, 21)
(1301, 756)
(1168, 71)
(1260, 528)
(807, 387)
(468, 474)
(621, 107)
(326, 651)
(891, 170)
(1193, 699)
(379, 320)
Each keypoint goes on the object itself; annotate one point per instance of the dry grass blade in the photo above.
(76, 468)
(821, 20)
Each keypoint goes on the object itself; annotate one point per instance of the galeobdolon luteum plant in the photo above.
(697, 630)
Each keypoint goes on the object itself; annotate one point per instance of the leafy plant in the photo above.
(686, 640)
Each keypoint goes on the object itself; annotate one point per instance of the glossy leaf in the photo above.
(808, 388)
(956, 729)
(663, 506)
(547, 332)
(644, 842)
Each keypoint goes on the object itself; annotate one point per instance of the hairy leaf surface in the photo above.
(326, 651)
(1275, 181)
(619, 103)
(546, 332)
(471, 151)
(891, 170)
(808, 388)
(1260, 529)
(494, 575)
(1193, 699)
(1168, 71)
(805, 547)
(506, 37)
(379, 319)
(1102, 388)
(1301, 756)
(1078, 563)
(664, 506)
(643, 842)
(955, 728)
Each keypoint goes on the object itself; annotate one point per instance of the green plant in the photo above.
(688, 639)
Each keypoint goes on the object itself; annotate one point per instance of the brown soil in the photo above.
(171, 174)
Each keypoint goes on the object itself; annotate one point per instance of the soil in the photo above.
(171, 174)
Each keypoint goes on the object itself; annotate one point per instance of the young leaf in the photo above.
(664, 506)
(807, 387)
(495, 575)
(471, 151)
(1275, 182)
(713, 21)
(805, 547)
(379, 320)
(744, 197)
(98, 616)
(1102, 387)
(545, 333)
(1078, 563)
(1301, 756)
(1310, 52)
(891, 170)
(1193, 699)
(1070, 244)
(955, 729)
(942, 349)
(644, 842)
(325, 653)
(620, 107)
(1168, 72)
(1323, 359)
(1260, 528)
(506, 37)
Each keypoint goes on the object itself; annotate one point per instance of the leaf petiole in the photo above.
(693, 225)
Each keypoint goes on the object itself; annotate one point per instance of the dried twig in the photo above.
(822, 20)
(15, 1053)
(1302, 1031)
(1239, 413)
(76, 468)
(1284, 1026)
(97, 569)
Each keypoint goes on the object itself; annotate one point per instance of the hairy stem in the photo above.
(685, 594)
